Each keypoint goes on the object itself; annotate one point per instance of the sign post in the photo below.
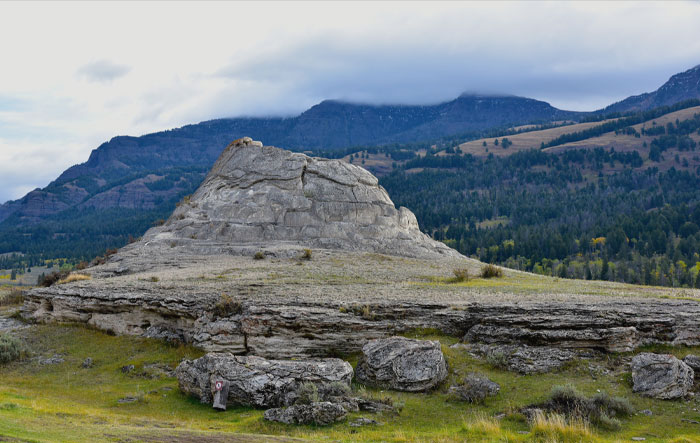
(220, 394)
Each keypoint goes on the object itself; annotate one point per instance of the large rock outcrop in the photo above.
(661, 376)
(255, 381)
(264, 198)
(402, 364)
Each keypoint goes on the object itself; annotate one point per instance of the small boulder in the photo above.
(474, 389)
(661, 376)
(363, 421)
(402, 364)
(87, 363)
(319, 413)
(258, 382)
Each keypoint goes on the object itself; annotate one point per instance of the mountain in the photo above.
(680, 87)
(137, 172)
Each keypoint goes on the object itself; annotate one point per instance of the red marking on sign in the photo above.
(218, 385)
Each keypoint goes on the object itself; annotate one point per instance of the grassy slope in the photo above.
(621, 142)
(65, 402)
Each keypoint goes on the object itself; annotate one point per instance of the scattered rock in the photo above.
(319, 414)
(403, 364)
(525, 359)
(127, 400)
(638, 439)
(363, 421)
(474, 389)
(646, 412)
(87, 363)
(127, 369)
(56, 359)
(373, 405)
(258, 382)
(661, 376)
(692, 422)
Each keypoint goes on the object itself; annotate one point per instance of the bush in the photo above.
(555, 427)
(474, 389)
(10, 348)
(15, 297)
(227, 306)
(600, 410)
(306, 255)
(497, 360)
(491, 271)
(259, 255)
(461, 275)
(52, 278)
(307, 394)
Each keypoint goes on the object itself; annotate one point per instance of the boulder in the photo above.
(258, 382)
(694, 362)
(661, 376)
(319, 413)
(402, 364)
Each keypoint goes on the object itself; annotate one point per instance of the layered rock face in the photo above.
(260, 197)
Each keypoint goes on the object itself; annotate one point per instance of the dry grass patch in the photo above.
(556, 428)
(73, 277)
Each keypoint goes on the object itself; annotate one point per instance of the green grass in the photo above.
(66, 402)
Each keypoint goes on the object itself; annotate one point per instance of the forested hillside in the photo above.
(594, 213)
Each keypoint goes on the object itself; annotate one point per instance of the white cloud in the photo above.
(77, 74)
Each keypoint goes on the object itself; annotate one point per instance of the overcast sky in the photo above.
(74, 75)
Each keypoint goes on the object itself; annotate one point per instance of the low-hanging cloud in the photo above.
(103, 71)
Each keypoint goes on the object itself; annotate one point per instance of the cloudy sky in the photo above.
(74, 74)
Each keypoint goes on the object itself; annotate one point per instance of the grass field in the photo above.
(66, 402)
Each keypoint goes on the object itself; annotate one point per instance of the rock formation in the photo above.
(257, 382)
(263, 198)
(402, 364)
(661, 376)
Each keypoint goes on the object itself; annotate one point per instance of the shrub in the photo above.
(600, 410)
(154, 279)
(10, 348)
(306, 255)
(307, 393)
(497, 359)
(474, 389)
(227, 306)
(15, 297)
(260, 255)
(52, 278)
(491, 271)
(461, 275)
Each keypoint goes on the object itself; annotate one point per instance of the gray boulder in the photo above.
(258, 382)
(661, 376)
(402, 364)
(694, 362)
(318, 413)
